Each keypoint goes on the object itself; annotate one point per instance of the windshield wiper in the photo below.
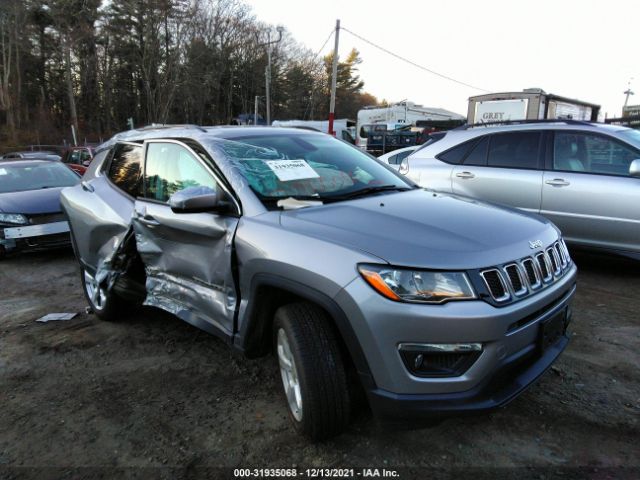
(274, 199)
(367, 191)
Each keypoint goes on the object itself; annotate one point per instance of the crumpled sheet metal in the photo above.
(111, 265)
(162, 285)
(169, 293)
(181, 280)
(209, 271)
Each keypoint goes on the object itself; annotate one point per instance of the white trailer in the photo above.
(340, 125)
(398, 115)
(530, 104)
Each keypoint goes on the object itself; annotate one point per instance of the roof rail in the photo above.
(160, 126)
(567, 121)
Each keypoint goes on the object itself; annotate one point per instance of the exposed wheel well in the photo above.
(267, 299)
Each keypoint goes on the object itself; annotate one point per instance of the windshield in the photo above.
(34, 176)
(631, 136)
(307, 165)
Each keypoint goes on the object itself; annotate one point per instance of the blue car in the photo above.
(30, 214)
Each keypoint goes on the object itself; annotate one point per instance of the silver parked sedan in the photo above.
(583, 176)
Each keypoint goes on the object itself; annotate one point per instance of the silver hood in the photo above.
(425, 229)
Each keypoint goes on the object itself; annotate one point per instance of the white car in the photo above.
(395, 157)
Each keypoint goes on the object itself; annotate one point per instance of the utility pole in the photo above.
(267, 72)
(334, 74)
(255, 112)
(628, 92)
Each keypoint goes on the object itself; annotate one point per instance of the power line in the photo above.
(325, 42)
(433, 72)
(313, 91)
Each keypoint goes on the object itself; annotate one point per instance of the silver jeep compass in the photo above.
(292, 242)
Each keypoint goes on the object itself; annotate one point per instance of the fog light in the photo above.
(439, 359)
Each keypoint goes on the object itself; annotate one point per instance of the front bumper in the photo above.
(514, 375)
(509, 363)
(35, 237)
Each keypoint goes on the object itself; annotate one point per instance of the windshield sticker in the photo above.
(288, 170)
(3, 171)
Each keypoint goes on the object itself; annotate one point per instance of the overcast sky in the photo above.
(585, 49)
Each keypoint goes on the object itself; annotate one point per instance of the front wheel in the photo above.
(106, 305)
(313, 371)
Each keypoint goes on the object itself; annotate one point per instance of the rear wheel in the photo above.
(106, 305)
(312, 370)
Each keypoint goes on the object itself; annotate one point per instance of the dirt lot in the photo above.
(151, 396)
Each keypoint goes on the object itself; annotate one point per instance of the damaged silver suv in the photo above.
(293, 242)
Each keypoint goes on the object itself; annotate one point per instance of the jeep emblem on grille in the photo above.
(535, 244)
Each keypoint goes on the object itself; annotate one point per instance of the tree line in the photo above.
(95, 64)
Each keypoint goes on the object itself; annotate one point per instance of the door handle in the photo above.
(143, 217)
(87, 187)
(149, 221)
(557, 182)
(465, 175)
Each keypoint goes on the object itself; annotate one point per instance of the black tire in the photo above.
(110, 308)
(321, 372)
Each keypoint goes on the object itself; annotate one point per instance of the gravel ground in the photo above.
(151, 396)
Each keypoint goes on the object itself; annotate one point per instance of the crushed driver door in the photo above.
(187, 256)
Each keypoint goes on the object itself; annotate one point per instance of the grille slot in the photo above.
(553, 261)
(532, 275)
(516, 279)
(565, 250)
(544, 268)
(560, 253)
(495, 284)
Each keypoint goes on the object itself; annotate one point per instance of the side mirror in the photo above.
(404, 166)
(634, 168)
(196, 200)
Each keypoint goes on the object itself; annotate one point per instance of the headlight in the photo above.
(13, 218)
(417, 286)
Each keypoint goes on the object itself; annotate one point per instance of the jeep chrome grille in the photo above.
(523, 277)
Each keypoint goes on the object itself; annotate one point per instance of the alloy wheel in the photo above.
(289, 373)
(94, 291)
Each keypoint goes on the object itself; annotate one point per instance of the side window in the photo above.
(74, 157)
(393, 159)
(401, 156)
(514, 150)
(584, 152)
(478, 155)
(126, 169)
(456, 154)
(171, 168)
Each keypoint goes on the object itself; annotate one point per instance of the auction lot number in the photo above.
(314, 473)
